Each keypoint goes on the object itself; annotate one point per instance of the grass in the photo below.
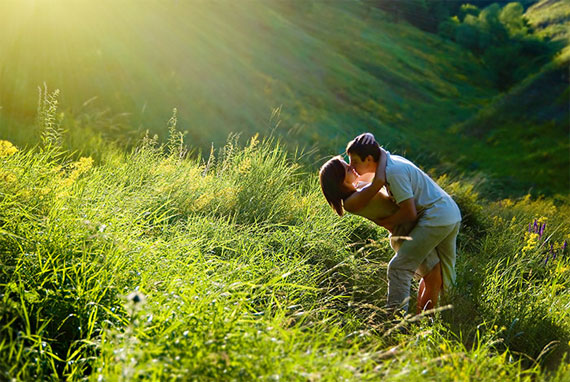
(156, 264)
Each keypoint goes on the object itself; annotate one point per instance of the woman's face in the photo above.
(350, 174)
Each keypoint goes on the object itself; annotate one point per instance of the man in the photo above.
(438, 220)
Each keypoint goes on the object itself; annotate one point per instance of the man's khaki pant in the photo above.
(427, 247)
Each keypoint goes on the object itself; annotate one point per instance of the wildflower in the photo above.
(7, 149)
(77, 168)
(535, 226)
(83, 165)
(135, 301)
(564, 246)
(136, 297)
(531, 242)
(245, 166)
(552, 251)
(7, 176)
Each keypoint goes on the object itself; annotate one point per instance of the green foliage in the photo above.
(502, 38)
(468, 9)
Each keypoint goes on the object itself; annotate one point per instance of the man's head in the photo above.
(364, 153)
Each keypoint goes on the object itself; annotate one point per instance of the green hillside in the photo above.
(331, 69)
(335, 69)
(530, 124)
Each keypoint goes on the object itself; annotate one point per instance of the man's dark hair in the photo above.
(363, 149)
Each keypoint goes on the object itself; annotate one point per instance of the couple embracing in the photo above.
(422, 218)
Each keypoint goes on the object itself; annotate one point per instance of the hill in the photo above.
(334, 69)
(315, 73)
(530, 123)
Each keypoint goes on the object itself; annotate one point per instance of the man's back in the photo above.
(405, 180)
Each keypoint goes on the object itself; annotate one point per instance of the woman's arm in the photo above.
(380, 174)
(362, 197)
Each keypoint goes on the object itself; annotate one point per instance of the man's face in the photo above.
(362, 166)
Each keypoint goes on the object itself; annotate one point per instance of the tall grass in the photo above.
(155, 264)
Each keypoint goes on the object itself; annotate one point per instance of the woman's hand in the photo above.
(366, 139)
(380, 174)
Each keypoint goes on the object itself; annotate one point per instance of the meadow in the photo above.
(162, 264)
(161, 216)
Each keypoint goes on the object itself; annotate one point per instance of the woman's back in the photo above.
(380, 207)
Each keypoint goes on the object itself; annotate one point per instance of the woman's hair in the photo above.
(332, 176)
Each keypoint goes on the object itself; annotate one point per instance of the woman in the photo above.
(344, 189)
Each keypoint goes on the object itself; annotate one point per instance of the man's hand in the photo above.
(405, 214)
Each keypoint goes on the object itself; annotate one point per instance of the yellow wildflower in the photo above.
(7, 176)
(83, 165)
(254, 140)
(7, 149)
(244, 166)
(531, 241)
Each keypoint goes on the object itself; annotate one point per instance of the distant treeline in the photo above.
(496, 32)
(428, 14)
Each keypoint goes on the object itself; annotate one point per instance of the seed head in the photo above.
(136, 297)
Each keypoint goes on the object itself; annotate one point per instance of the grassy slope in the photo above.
(523, 135)
(336, 69)
(245, 273)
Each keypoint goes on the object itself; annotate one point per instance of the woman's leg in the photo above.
(432, 284)
(421, 291)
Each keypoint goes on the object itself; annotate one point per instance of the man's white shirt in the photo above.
(405, 180)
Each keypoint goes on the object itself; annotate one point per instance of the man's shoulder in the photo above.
(396, 164)
(399, 160)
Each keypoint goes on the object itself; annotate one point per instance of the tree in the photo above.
(512, 17)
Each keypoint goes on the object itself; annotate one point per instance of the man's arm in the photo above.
(406, 214)
(362, 197)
